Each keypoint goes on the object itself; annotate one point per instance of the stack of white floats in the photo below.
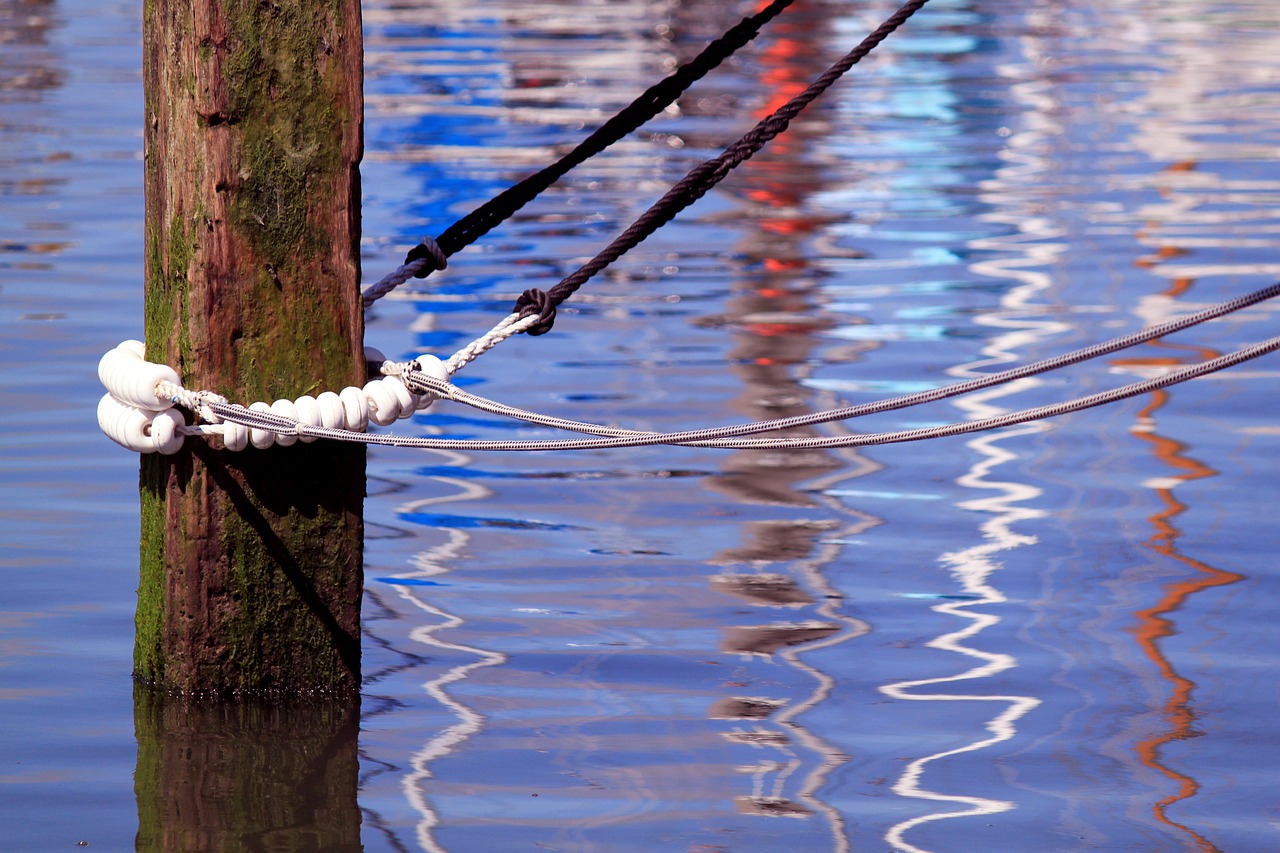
(138, 411)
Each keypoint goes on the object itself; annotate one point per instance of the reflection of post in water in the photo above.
(25, 25)
(233, 776)
(1155, 623)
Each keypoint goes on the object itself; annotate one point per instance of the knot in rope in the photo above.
(539, 303)
(430, 252)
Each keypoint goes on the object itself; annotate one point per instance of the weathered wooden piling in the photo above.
(251, 565)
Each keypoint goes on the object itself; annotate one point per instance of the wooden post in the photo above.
(251, 562)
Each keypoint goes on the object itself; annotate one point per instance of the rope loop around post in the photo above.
(428, 250)
(539, 303)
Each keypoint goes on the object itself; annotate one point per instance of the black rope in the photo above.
(654, 100)
(698, 182)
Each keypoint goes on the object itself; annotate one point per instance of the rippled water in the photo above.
(1058, 636)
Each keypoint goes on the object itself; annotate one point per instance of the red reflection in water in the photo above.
(1155, 623)
(774, 321)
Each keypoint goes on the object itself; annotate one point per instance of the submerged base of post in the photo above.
(251, 571)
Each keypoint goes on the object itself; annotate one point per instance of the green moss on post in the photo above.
(251, 562)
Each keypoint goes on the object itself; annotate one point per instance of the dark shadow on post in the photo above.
(298, 483)
(277, 612)
(241, 776)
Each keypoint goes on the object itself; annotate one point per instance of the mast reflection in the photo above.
(775, 324)
(1207, 223)
(1157, 622)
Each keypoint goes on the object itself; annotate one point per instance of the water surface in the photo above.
(1051, 637)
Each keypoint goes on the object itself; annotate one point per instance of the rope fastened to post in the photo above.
(138, 410)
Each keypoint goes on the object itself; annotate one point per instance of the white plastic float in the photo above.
(138, 411)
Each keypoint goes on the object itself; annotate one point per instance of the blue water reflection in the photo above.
(1055, 636)
(942, 159)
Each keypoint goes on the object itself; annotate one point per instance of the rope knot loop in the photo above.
(428, 250)
(535, 302)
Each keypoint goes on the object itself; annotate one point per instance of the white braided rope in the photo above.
(509, 326)
(193, 401)
(606, 437)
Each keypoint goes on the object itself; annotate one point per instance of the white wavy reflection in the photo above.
(1035, 246)
(428, 563)
(972, 567)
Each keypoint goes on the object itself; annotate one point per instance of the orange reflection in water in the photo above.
(1155, 623)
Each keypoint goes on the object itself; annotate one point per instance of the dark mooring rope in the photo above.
(698, 182)
(433, 254)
